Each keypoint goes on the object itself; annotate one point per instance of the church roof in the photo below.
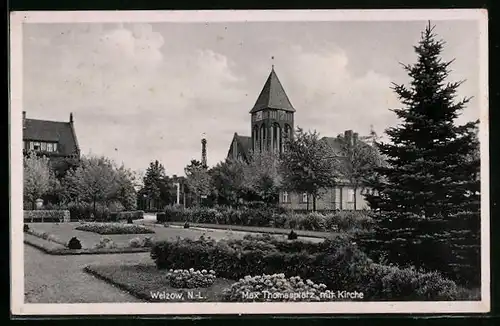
(244, 143)
(273, 96)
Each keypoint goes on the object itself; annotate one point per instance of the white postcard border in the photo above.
(18, 307)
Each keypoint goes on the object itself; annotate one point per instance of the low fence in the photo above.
(46, 216)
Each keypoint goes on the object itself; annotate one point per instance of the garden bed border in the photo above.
(60, 250)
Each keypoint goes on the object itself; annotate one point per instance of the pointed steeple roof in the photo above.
(273, 96)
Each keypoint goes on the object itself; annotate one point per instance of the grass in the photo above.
(144, 281)
(114, 228)
(60, 279)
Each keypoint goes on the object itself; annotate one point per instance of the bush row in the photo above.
(337, 263)
(269, 217)
(118, 216)
(51, 216)
(85, 211)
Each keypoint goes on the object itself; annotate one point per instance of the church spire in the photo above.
(273, 95)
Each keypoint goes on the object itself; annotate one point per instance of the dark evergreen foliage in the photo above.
(426, 202)
(292, 235)
(74, 243)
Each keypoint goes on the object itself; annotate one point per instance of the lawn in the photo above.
(65, 231)
(146, 282)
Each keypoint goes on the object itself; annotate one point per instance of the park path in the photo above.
(60, 279)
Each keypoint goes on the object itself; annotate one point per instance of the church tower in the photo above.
(272, 117)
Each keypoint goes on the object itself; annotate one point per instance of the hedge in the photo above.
(51, 216)
(337, 263)
(118, 216)
(270, 217)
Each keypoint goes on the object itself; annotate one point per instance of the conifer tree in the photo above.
(426, 201)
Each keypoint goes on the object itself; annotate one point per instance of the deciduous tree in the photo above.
(38, 178)
(308, 164)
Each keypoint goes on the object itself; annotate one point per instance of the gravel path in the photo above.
(60, 279)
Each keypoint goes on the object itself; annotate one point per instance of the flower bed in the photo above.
(148, 283)
(45, 236)
(190, 278)
(270, 217)
(337, 263)
(277, 287)
(114, 228)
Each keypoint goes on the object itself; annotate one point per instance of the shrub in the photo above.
(275, 287)
(313, 221)
(113, 228)
(113, 216)
(338, 263)
(26, 228)
(74, 243)
(44, 216)
(85, 211)
(184, 278)
(129, 220)
(105, 243)
(186, 225)
(128, 215)
(148, 242)
(292, 235)
(140, 243)
(408, 283)
(161, 217)
(135, 243)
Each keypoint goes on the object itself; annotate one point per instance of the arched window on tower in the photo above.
(277, 137)
(255, 137)
(262, 137)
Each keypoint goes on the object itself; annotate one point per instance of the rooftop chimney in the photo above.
(355, 137)
(71, 117)
(24, 119)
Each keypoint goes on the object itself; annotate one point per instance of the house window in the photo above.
(54, 146)
(32, 146)
(285, 197)
(304, 197)
(350, 195)
(50, 147)
(43, 146)
(36, 146)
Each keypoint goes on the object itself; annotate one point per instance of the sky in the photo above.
(145, 92)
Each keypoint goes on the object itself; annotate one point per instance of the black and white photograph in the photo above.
(249, 162)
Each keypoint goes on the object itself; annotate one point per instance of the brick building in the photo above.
(272, 119)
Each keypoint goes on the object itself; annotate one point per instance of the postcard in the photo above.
(249, 162)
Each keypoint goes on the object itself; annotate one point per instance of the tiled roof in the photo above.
(245, 143)
(52, 131)
(335, 143)
(273, 96)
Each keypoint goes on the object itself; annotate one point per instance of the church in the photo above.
(271, 120)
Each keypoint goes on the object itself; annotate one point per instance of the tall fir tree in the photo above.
(426, 200)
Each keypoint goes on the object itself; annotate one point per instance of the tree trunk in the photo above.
(307, 202)
(94, 209)
(314, 202)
